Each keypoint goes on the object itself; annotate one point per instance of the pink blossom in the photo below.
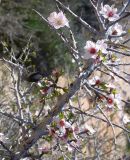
(58, 20)
(63, 125)
(114, 100)
(91, 47)
(116, 30)
(109, 12)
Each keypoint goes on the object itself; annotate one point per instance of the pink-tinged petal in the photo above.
(94, 56)
(60, 14)
(115, 10)
(107, 8)
(52, 16)
(63, 18)
(114, 18)
(56, 26)
(105, 16)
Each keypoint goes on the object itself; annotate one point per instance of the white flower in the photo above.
(113, 100)
(58, 20)
(102, 46)
(91, 48)
(109, 12)
(115, 30)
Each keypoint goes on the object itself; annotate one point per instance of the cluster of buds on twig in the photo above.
(107, 93)
(62, 129)
(68, 133)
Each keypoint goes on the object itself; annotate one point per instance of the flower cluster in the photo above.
(62, 130)
(114, 33)
(111, 99)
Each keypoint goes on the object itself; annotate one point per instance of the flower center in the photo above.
(59, 22)
(110, 101)
(98, 82)
(92, 50)
(114, 32)
(110, 14)
(62, 123)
